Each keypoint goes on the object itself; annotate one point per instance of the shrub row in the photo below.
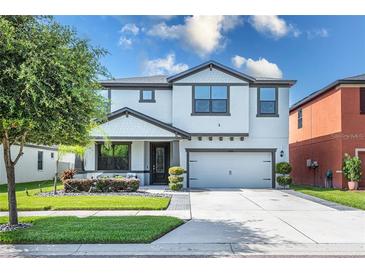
(101, 185)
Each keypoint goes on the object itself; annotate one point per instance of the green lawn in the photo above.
(57, 230)
(34, 202)
(349, 198)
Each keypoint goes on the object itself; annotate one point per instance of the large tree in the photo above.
(48, 89)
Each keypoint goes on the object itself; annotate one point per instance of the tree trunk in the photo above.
(10, 173)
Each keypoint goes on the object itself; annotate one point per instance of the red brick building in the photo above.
(323, 127)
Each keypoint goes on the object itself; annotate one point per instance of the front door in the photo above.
(160, 161)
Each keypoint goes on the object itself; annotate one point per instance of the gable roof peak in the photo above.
(128, 111)
(207, 64)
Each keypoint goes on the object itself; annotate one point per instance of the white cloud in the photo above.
(203, 34)
(165, 32)
(273, 26)
(263, 68)
(322, 33)
(238, 61)
(125, 42)
(257, 68)
(165, 65)
(230, 22)
(164, 17)
(130, 29)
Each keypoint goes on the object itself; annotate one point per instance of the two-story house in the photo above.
(323, 127)
(227, 129)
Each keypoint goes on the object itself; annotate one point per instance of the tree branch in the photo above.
(16, 139)
(21, 148)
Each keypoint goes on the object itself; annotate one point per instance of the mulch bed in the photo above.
(61, 193)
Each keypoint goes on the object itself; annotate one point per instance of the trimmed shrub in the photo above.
(283, 168)
(175, 187)
(101, 185)
(173, 179)
(176, 170)
(284, 180)
(78, 185)
(68, 174)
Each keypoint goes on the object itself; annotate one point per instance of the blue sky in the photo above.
(315, 50)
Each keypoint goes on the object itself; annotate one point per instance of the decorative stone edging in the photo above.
(8, 227)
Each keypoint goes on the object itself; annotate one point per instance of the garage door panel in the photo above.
(230, 169)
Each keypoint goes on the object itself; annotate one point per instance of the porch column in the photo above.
(175, 158)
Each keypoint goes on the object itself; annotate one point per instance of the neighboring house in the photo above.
(323, 127)
(227, 129)
(38, 163)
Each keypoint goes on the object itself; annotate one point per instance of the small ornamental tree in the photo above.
(48, 83)
(284, 169)
(352, 168)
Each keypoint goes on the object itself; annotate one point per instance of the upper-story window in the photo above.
(362, 100)
(267, 103)
(300, 118)
(147, 96)
(210, 100)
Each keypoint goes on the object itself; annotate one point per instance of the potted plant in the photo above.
(352, 171)
(284, 169)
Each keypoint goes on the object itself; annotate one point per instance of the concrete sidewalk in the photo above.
(179, 207)
(184, 250)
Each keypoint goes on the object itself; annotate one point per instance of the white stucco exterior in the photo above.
(26, 170)
(240, 129)
(129, 126)
(161, 109)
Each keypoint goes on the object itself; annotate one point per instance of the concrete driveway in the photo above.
(246, 216)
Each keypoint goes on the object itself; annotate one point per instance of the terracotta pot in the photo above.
(353, 185)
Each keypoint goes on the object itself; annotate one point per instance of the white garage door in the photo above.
(230, 169)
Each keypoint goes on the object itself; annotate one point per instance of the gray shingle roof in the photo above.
(360, 77)
(357, 79)
(162, 81)
(156, 79)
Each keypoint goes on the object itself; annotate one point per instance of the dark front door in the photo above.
(160, 160)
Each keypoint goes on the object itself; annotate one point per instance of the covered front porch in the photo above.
(147, 160)
(134, 145)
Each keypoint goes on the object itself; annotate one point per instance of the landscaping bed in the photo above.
(354, 199)
(89, 230)
(29, 198)
(61, 193)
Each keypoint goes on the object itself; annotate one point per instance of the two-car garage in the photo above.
(227, 168)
